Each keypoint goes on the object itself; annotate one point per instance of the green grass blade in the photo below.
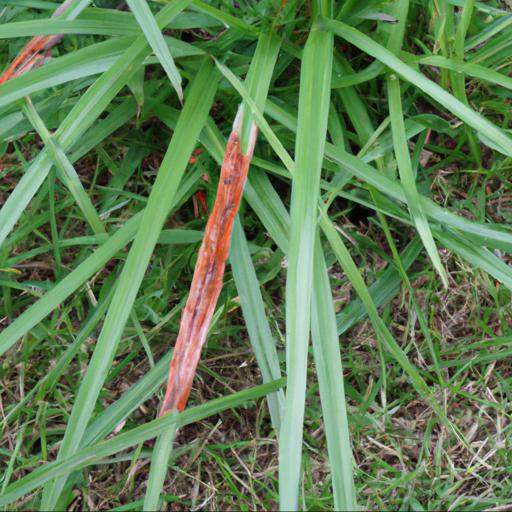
(256, 321)
(98, 21)
(18, 200)
(478, 256)
(314, 101)
(149, 26)
(330, 377)
(350, 269)
(258, 79)
(92, 60)
(494, 28)
(468, 68)
(159, 467)
(227, 19)
(171, 171)
(50, 380)
(400, 11)
(92, 454)
(73, 9)
(359, 168)
(66, 170)
(257, 82)
(382, 291)
(430, 88)
(341, 80)
(53, 225)
(109, 26)
(38, 311)
(494, 50)
(68, 285)
(367, 173)
(263, 125)
(86, 111)
(268, 206)
(462, 28)
(458, 80)
(142, 390)
(407, 177)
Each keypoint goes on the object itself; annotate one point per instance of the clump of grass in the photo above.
(381, 168)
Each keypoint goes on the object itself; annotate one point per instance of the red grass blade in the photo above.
(27, 58)
(207, 281)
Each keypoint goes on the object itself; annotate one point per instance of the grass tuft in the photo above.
(357, 355)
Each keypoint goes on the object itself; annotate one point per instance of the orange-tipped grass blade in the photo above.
(29, 56)
(26, 54)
